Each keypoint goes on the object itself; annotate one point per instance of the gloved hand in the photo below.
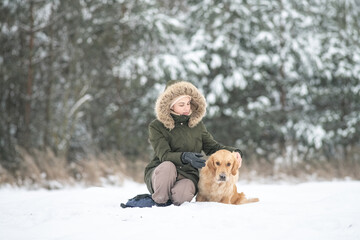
(195, 159)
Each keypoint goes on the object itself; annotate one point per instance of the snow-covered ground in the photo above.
(318, 210)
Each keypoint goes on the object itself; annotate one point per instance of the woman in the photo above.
(178, 136)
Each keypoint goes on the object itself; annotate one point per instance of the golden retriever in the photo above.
(218, 180)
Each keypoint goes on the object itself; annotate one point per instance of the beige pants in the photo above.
(167, 184)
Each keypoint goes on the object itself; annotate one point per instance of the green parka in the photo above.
(170, 135)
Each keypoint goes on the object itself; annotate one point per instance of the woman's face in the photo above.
(183, 106)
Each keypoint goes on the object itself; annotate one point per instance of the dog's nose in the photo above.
(222, 177)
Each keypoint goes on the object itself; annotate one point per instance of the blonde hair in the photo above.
(178, 99)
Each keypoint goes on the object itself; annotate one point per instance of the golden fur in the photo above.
(218, 180)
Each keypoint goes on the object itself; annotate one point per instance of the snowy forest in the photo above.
(79, 80)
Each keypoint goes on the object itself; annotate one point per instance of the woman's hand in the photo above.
(195, 159)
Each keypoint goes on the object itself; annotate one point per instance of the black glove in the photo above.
(195, 159)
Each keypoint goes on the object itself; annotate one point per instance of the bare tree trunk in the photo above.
(48, 90)
(281, 87)
(29, 89)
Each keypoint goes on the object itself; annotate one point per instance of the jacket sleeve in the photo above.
(161, 146)
(210, 145)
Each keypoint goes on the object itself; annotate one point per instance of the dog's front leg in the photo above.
(200, 198)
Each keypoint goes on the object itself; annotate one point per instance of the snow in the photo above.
(262, 59)
(315, 210)
(195, 63)
(314, 134)
(260, 103)
(215, 61)
(217, 85)
(79, 103)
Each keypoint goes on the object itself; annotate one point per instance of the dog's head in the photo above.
(223, 164)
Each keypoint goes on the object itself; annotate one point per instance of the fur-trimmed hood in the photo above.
(174, 90)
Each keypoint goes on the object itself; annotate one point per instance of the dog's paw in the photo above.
(242, 195)
(253, 200)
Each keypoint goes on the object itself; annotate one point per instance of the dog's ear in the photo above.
(210, 163)
(236, 165)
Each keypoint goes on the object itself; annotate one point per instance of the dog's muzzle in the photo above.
(222, 177)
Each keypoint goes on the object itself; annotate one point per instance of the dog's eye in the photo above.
(228, 164)
(218, 163)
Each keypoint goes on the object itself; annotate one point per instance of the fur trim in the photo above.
(198, 104)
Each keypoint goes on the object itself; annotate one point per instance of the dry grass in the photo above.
(315, 170)
(43, 169)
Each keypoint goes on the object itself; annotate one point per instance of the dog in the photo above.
(218, 179)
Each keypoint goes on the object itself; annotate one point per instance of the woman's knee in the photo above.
(167, 168)
(165, 172)
(183, 191)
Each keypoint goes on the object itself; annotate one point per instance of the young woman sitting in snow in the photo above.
(178, 136)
